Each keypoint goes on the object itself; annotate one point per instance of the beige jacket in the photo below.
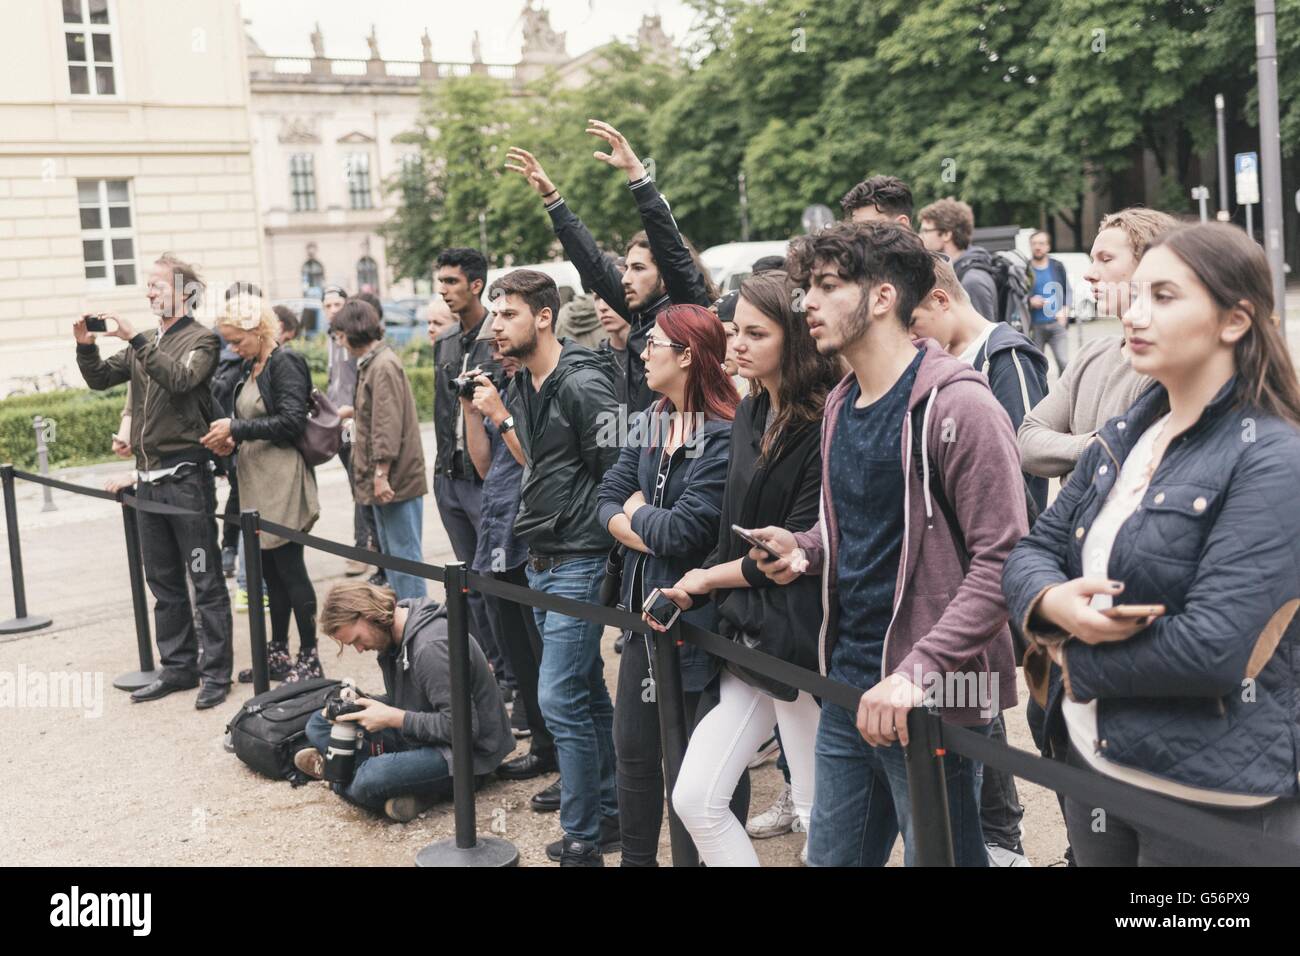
(387, 428)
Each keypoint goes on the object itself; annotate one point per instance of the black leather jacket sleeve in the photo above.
(682, 280)
(600, 275)
(285, 385)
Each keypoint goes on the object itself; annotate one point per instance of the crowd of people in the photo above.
(843, 464)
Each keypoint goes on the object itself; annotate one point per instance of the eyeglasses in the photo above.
(653, 343)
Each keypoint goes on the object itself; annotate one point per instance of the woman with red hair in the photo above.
(662, 500)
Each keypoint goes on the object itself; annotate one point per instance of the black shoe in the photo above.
(211, 695)
(579, 853)
(548, 800)
(379, 579)
(158, 690)
(519, 720)
(508, 693)
(610, 841)
(526, 767)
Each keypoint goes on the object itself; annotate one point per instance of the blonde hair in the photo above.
(945, 278)
(250, 313)
(1142, 226)
(349, 601)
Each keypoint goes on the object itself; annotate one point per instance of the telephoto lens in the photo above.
(345, 741)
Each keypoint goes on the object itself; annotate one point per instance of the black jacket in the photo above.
(974, 269)
(569, 435)
(784, 491)
(285, 386)
(1017, 374)
(171, 402)
(454, 353)
(683, 282)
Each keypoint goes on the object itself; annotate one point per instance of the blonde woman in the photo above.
(270, 411)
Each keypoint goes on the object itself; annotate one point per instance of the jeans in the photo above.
(862, 801)
(1101, 838)
(458, 502)
(1051, 334)
(400, 525)
(1000, 809)
(387, 766)
(574, 699)
(363, 519)
(517, 628)
(172, 546)
(720, 749)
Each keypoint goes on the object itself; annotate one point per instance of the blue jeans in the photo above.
(574, 699)
(862, 800)
(387, 767)
(400, 526)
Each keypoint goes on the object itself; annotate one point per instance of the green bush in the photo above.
(315, 351)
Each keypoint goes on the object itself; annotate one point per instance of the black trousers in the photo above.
(288, 588)
(174, 546)
(639, 752)
(230, 527)
(516, 630)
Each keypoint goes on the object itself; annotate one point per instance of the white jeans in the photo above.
(721, 747)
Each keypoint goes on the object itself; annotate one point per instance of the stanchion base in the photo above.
(16, 625)
(488, 851)
(134, 680)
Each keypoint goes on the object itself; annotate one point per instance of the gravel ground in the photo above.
(114, 783)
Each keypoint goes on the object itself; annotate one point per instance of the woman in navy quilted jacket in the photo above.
(1186, 503)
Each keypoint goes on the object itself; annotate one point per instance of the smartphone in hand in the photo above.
(663, 610)
(752, 541)
(1134, 611)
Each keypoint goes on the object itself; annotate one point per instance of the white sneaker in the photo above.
(1001, 856)
(803, 854)
(776, 820)
(770, 748)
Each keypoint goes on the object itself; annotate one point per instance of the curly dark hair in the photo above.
(868, 253)
(889, 194)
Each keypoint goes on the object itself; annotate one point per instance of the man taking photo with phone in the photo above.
(170, 409)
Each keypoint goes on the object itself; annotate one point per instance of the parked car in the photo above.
(404, 319)
(730, 263)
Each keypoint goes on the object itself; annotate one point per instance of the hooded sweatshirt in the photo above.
(949, 623)
(417, 679)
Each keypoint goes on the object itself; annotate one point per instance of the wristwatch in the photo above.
(507, 424)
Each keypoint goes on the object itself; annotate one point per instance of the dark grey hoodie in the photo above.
(1017, 374)
(974, 271)
(417, 679)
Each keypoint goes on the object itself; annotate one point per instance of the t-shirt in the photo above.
(866, 476)
(1051, 294)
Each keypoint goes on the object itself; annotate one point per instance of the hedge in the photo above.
(85, 421)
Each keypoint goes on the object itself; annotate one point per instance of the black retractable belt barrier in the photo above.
(467, 848)
(147, 674)
(1172, 819)
(21, 621)
(928, 791)
(249, 524)
(670, 702)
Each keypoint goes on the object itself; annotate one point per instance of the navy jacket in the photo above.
(680, 531)
(1208, 695)
(1017, 374)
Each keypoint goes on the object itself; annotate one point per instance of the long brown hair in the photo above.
(807, 376)
(1234, 270)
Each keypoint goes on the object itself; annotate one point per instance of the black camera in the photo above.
(465, 384)
(345, 736)
(96, 323)
(336, 707)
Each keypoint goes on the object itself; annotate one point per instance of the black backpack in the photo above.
(270, 728)
(1014, 279)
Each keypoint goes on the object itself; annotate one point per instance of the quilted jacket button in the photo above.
(1078, 532)
(1199, 504)
(1160, 498)
(1102, 744)
(1102, 470)
(1120, 425)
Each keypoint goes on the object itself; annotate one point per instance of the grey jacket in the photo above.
(417, 679)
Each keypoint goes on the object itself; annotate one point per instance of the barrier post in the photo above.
(670, 702)
(41, 425)
(467, 848)
(21, 621)
(248, 524)
(931, 828)
(147, 674)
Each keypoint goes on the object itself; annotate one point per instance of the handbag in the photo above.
(611, 586)
(319, 441)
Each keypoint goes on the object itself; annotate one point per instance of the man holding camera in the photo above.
(170, 408)
(404, 764)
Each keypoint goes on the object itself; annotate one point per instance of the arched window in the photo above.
(313, 277)
(367, 275)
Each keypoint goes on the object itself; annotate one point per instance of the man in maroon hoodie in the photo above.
(910, 545)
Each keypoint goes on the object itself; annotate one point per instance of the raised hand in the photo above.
(525, 164)
(621, 155)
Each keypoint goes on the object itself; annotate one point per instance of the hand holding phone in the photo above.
(95, 322)
(753, 542)
(661, 610)
(1134, 611)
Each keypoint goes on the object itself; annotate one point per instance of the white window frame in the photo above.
(107, 233)
(310, 174)
(354, 163)
(86, 28)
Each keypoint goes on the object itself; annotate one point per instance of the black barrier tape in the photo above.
(1170, 818)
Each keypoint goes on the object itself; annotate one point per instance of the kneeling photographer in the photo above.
(401, 764)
